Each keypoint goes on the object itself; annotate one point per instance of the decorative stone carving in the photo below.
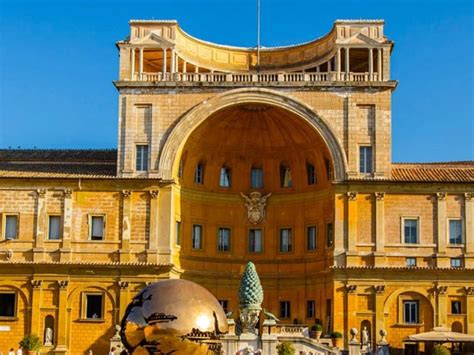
(469, 290)
(67, 193)
(36, 283)
(354, 333)
(63, 283)
(153, 193)
(255, 204)
(442, 290)
(126, 193)
(379, 289)
(123, 284)
(352, 196)
(9, 254)
(380, 196)
(441, 196)
(351, 288)
(48, 337)
(468, 196)
(41, 193)
(250, 299)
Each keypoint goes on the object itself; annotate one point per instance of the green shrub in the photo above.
(440, 350)
(30, 342)
(336, 335)
(285, 348)
(317, 328)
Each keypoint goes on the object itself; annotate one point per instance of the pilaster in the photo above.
(350, 315)
(61, 347)
(470, 309)
(126, 226)
(386, 63)
(379, 256)
(469, 222)
(38, 251)
(379, 291)
(351, 221)
(166, 223)
(123, 297)
(338, 233)
(441, 221)
(65, 251)
(35, 306)
(153, 222)
(442, 304)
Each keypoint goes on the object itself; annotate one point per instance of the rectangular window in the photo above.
(411, 262)
(256, 178)
(329, 235)
(310, 309)
(225, 305)
(94, 306)
(410, 312)
(224, 180)
(456, 307)
(365, 159)
(285, 240)
(54, 228)
(178, 233)
(455, 231)
(97, 227)
(456, 262)
(311, 238)
(199, 174)
(410, 230)
(11, 227)
(311, 173)
(197, 236)
(142, 157)
(285, 311)
(7, 304)
(255, 241)
(223, 243)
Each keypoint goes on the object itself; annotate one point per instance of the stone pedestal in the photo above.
(354, 348)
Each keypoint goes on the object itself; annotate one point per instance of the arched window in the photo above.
(256, 177)
(225, 177)
(311, 173)
(285, 175)
(199, 173)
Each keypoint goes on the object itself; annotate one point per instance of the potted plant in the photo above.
(316, 331)
(285, 348)
(336, 338)
(31, 344)
(440, 350)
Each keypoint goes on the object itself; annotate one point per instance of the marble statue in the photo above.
(48, 337)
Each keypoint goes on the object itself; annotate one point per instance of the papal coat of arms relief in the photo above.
(255, 204)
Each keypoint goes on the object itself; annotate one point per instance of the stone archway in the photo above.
(168, 164)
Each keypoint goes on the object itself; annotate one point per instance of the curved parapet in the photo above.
(162, 51)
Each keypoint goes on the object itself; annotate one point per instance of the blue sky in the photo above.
(58, 60)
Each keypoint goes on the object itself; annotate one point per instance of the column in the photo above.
(329, 65)
(141, 65)
(61, 346)
(379, 222)
(126, 226)
(351, 221)
(35, 307)
(173, 61)
(348, 68)
(441, 222)
(132, 64)
(350, 313)
(65, 251)
(184, 66)
(379, 65)
(470, 309)
(338, 64)
(442, 311)
(371, 64)
(123, 301)
(379, 291)
(40, 223)
(153, 222)
(164, 62)
(469, 222)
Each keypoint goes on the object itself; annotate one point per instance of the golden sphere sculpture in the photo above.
(173, 317)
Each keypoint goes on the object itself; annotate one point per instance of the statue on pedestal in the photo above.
(48, 337)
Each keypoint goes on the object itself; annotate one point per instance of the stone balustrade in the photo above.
(242, 78)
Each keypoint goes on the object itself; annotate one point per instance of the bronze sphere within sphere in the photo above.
(173, 317)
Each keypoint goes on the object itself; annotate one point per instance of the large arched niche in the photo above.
(168, 165)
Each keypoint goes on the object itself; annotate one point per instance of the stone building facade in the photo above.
(280, 156)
